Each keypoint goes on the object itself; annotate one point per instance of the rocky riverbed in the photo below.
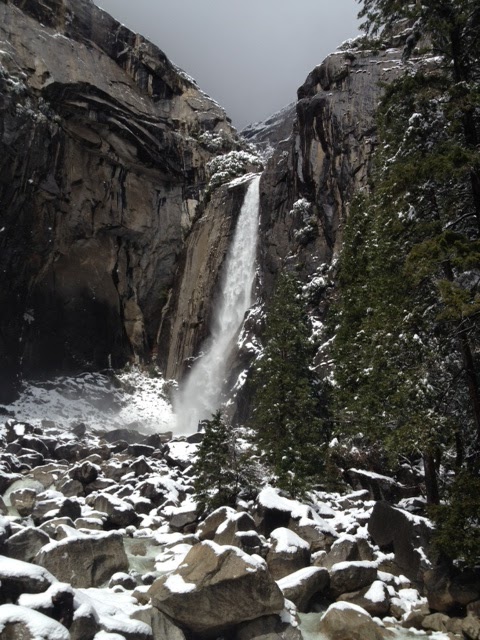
(101, 539)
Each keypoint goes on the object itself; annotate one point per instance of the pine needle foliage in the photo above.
(289, 432)
(222, 471)
(407, 339)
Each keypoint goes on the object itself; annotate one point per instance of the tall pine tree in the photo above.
(222, 471)
(286, 414)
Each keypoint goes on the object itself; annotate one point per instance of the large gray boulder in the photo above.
(120, 513)
(21, 623)
(346, 577)
(374, 599)
(18, 577)
(344, 621)
(216, 588)
(25, 544)
(288, 554)
(406, 533)
(300, 587)
(448, 588)
(84, 560)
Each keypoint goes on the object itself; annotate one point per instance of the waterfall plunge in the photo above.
(200, 394)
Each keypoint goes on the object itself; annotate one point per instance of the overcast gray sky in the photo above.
(250, 55)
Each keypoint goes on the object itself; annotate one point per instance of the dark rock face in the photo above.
(189, 311)
(325, 161)
(408, 536)
(100, 174)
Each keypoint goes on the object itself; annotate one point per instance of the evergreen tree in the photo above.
(407, 336)
(222, 471)
(288, 429)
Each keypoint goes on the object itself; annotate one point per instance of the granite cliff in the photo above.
(103, 149)
(113, 231)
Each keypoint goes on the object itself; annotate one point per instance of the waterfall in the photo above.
(200, 394)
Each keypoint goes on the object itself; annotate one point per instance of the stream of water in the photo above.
(200, 394)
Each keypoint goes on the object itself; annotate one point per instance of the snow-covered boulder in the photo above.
(300, 587)
(347, 548)
(215, 588)
(288, 553)
(343, 620)
(120, 513)
(239, 530)
(272, 510)
(25, 624)
(84, 560)
(23, 500)
(379, 487)
(346, 577)
(26, 543)
(18, 577)
(375, 599)
(208, 528)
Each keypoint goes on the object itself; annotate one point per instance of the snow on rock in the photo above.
(34, 579)
(176, 584)
(286, 541)
(39, 626)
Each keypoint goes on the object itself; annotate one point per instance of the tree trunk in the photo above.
(431, 481)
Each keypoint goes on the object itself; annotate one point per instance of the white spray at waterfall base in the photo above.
(199, 396)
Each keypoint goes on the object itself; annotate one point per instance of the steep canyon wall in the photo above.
(103, 149)
(111, 248)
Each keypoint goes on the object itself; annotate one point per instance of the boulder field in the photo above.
(101, 539)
